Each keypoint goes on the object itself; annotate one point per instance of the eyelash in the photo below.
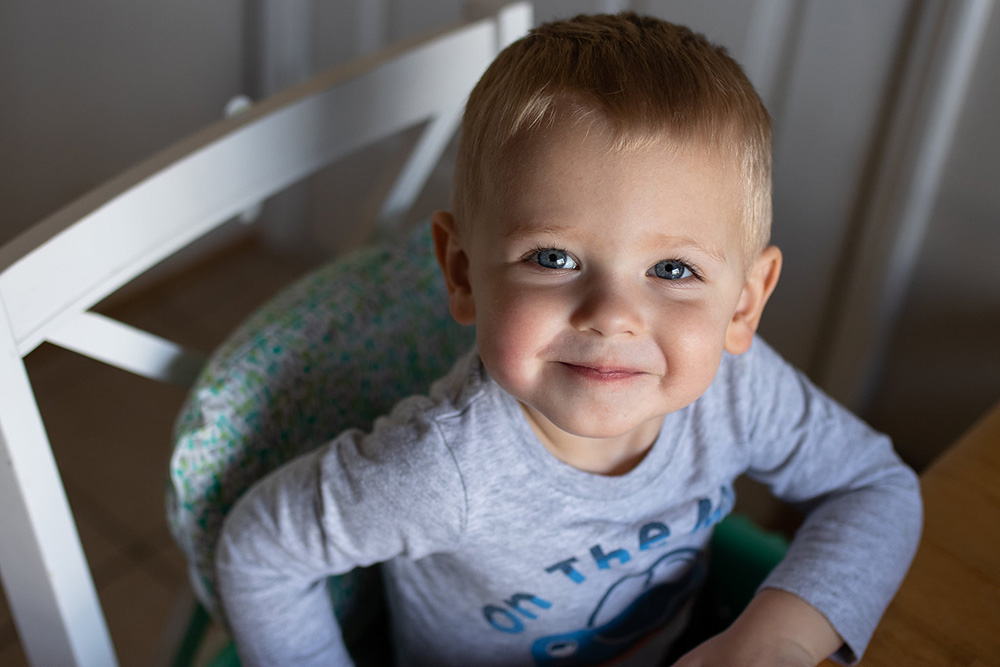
(531, 256)
(690, 266)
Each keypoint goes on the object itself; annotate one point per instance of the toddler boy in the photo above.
(551, 500)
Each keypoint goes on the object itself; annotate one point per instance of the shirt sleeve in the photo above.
(861, 502)
(358, 500)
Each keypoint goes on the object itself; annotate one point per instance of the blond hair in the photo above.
(645, 79)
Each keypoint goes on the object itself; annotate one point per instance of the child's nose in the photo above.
(609, 307)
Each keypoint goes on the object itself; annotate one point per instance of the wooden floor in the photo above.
(110, 432)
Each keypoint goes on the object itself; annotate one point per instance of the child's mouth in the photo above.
(603, 373)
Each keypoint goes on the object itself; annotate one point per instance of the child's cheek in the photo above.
(692, 342)
(518, 326)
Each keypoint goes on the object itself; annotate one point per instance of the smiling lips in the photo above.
(603, 373)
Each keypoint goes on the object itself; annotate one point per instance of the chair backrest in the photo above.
(54, 273)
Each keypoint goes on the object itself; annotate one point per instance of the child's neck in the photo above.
(611, 456)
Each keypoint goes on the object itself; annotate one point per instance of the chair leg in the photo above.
(191, 626)
(184, 645)
(192, 638)
(227, 657)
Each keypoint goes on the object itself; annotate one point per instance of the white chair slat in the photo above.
(159, 208)
(418, 168)
(513, 21)
(52, 274)
(45, 576)
(129, 348)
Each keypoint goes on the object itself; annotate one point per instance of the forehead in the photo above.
(582, 177)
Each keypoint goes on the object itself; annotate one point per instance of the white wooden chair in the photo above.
(54, 273)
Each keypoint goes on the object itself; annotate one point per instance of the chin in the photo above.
(597, 429)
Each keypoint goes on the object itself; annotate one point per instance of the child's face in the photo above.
(605, 288)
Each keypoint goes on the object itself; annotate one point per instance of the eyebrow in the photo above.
(520, 230)
(711, 250)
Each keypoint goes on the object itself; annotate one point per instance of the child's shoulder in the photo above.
(461, 386)
(463, 383)
(458, 424)
(466, 392)
(758, 385)
(758, 367)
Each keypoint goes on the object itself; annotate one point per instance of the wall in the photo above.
(87, 89)
(942, 366)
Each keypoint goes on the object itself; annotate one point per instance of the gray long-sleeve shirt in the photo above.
(497, 553)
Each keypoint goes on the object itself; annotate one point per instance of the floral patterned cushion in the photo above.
(333, 351)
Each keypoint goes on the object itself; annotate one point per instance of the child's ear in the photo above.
(455, 266)
(761, 281)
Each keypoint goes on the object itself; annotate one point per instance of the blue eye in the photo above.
(553, 258)
(671, 269)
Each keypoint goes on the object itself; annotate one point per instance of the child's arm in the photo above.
(777, 629)
(360, 500)
(862, 504)
(271, 579)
